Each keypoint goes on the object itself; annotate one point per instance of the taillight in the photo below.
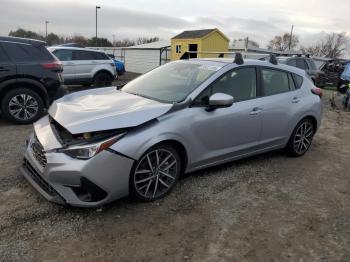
(317, 91)
(54, 65)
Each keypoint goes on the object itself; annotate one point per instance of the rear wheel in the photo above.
(22, 106)
(155, 174)
(102, 79)
(301, 139)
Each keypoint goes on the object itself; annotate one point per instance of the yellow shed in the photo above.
(206, 40)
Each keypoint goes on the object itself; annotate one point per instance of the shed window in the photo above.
(178, 49)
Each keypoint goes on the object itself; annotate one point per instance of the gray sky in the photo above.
(258, 19)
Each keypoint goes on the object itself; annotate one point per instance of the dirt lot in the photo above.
(267, 208)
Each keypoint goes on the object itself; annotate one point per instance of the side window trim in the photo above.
(194, 104)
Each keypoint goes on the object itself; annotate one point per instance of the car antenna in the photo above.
(238, 59)
(273, 59)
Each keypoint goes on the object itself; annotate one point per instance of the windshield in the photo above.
(172, 82)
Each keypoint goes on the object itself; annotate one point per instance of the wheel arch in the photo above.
(180, 148)
(25, 83)
(102, 71)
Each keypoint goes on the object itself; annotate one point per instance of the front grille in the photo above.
(38, 179)
(38, 151)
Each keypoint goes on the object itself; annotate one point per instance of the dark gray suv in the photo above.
(306, 63)
(30, 79)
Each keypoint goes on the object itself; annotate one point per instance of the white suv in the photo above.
(83, 66)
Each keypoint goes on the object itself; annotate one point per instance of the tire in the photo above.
(22, 106)
(102, 79)
(301, 138)
(150, 181)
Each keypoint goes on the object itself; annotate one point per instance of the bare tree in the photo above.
(332, 45)
(281, 42)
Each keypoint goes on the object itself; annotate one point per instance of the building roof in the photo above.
(153, 45)
(194, 34)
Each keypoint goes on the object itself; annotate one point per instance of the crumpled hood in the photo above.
(104, 109)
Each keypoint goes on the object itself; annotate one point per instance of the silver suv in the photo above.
(83, 66)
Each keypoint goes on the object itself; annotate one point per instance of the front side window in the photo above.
(238, 83)
(274, 81)
(64, 54)
(172, 82)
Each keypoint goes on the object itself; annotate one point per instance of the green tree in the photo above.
(100, 42)
(52, 39)
(20, 32)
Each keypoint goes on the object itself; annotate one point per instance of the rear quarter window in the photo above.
(298, 81)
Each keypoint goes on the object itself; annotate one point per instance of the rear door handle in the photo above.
(255, 111)
(296, 100)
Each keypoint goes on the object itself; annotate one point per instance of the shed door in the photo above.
(193, 48)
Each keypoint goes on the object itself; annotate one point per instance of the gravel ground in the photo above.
(265, 208)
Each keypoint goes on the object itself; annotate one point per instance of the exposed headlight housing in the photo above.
(87, 151)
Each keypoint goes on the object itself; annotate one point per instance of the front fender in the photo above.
(135, 144)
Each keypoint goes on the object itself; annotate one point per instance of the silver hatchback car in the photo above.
(99, 145)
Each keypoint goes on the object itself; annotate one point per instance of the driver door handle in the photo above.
(255, 111)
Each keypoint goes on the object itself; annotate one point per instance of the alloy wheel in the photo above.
(156, 174)
(303, 137)
(23, 107)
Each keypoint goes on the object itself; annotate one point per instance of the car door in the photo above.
(7, 67)
(228, 132)
(85, 64)
(69, 66)
(281, 101)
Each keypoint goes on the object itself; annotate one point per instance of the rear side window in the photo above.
(63, 54)
(100, 56)
(298, 80)
(274, 81)
(302, 64)
(26, 52)
(311, 64)
(82, 55)
(292, 62)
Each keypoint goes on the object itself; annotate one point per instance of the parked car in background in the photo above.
(119, 65)
(305, 63)
(72, 45)
(82, 66)
(30, 79)
(98, 145)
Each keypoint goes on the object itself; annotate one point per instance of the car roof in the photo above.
(74, 48)
(251, 62)
(21, 40)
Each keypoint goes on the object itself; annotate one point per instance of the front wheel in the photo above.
(301, 139)
(22, 106)
(155, 174)
(102, 79)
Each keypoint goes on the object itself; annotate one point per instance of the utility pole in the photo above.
(46, 22)
(113, 39)
(97, 7)
(291, 37)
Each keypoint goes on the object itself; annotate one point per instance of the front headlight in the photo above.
(88, 151)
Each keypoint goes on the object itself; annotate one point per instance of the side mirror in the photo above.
(219, 100)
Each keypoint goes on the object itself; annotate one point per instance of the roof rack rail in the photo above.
(238, 59)
(273, 59)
